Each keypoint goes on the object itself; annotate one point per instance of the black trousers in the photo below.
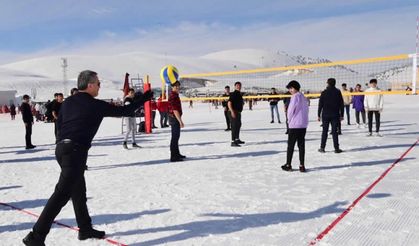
(71, 184)
(28, 134)
(163, 118)
(174, 141)
(334, 121)
(236, 124)
(347, 109)
(296, 135)
(357, 116)
(153, 117)
(226, 115)
(377, 120)
(56, 131)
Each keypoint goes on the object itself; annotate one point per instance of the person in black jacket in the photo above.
(235, 108)
(78, 121)
(28, 120)
(55, 108)
(330, 111)
(287, 101)
(225, 107)
(273, 103)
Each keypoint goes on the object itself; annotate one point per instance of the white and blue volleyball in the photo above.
(169, 74)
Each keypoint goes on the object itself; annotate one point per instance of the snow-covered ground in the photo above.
(223, 195)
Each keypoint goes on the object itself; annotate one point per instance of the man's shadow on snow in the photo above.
(358, 164)
(390, 146)
(10, 187)
(97, 219)
(228, 223)
(167, 161)
(29, 159)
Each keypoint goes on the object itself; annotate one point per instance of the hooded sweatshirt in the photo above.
(298, 111)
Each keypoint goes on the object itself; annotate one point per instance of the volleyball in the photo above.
(169, 74)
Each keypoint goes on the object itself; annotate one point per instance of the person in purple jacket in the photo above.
(298, 121)
(358, 105)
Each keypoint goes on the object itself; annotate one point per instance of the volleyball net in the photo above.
(395, 74)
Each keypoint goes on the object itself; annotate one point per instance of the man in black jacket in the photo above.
(235, 108)
(55, 107)
(78, 121)
(225, 107)
(28, 120)
(330, 111)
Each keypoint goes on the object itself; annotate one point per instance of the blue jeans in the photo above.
(275, 108)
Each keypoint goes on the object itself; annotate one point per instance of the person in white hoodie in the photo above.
(373, 104)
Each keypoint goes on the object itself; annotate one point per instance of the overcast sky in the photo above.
(325, 28)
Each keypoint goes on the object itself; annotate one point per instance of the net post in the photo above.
(414, 72)
(147, 108)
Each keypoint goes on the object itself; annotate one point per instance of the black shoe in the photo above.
(33, 240)
(272, 121)
(154, 127)
(227, 129)
(321, 150)
(287, 132)
(235, 144)
(125, 145)
(181, 156)
(337, 151)
(279, 122)
(91, 233)
(134, 145)
(30, 147)
(302, 168)
(286, 167)
(175, 159)
(339, 133)
(239, 141)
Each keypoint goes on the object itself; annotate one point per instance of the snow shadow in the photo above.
(375, 147)
(27, 204)
(403, 133)
(24, 151)
(145, 163)
(184, 144)
(358, 164)
(114, 218)
(199, 130)
(167, 161)
(228, 223)
(114, 142)
(31, 159)
(22, 147)
(236, 155)
(10, 187)
(97, 219)
(378, 195)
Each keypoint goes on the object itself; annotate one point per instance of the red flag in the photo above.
(126, 85)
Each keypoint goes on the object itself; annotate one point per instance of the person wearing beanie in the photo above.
(330, 111)
(297, 116)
